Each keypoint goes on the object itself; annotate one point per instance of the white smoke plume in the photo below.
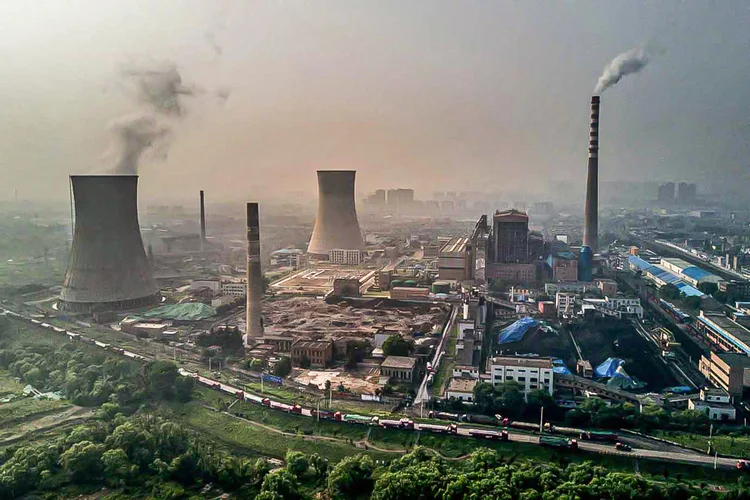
(159, 90)
(626, 63)
(137, 134)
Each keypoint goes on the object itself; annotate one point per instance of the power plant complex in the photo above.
(336, 224)
(108, 268)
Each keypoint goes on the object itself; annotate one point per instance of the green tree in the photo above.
(280, 485)
(83, 461)
(183, 389)
(283, 367)
(351, 477)
(396, 345)
(297, 463)
(160, 379)
(692, 302)
(319, 464)
(669, 292)
(117, 468)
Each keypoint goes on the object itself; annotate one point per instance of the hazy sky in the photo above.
(433, 95)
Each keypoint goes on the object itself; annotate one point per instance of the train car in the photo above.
(45, 325)
(240, 395)
(73, 335)
(118, 350)
(359, 419)
(439, 429)
(606, 436)
(58, 329)
(254, 399)
(276, 405)
(558, 442)
(36, 321)
(441, 415)
(101, 344)
(296, 409)
(323, 414)
(674, 312)
(404, 423)
(487, 434)
(481, 419)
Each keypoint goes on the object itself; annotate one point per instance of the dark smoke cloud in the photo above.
(624, 64)
(159, 91)
(159, 87)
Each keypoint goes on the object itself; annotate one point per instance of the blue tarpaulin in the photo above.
(608, 368)
(680, 389)
(559, 367)
(517, 330)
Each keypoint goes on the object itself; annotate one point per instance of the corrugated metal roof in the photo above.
(688, 290)
(696, 273)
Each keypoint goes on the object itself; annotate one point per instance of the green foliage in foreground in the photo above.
(90, 378)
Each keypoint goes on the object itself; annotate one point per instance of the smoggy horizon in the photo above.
(249, 100)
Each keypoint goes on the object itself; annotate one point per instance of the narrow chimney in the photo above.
(203, 221)
(591, 210)
(254, 276)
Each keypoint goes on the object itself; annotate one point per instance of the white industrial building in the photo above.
(530, 373)
(715, 403)
(346, 257)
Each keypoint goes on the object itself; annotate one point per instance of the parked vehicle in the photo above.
(487, 434)
(607, 436)
(743, 465)
(439, 429)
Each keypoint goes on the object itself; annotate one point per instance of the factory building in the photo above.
(455, 260)
(288, 257)
(509, 254)
(399, 369)
(318, 353)
(727, 370)
(660, 276)
(726, 335)
(108, 268)
(345, 257)
(530, 373)
(562, 262)
(714, 403)
(688, 272)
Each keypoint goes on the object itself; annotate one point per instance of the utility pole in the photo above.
(541, 420)
(318, 414)
(262, 374)
(716, 460)
(209, 364)
(710, 436)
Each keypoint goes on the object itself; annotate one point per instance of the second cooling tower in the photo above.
(336, 224)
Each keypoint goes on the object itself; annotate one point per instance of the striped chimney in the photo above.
(591, 210)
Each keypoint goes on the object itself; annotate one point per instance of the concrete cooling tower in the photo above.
(336, 225)
(108, 268)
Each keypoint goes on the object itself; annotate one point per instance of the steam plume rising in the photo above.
(136, 135)
(159, 89)
(626, 63)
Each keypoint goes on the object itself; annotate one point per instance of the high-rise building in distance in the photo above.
(666, 192)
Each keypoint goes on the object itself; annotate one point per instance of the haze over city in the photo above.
(483, 96)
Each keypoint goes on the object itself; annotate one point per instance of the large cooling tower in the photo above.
(108, 268)
(591, 209)
(336, 225)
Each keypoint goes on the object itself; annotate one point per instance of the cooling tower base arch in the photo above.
(120, 305)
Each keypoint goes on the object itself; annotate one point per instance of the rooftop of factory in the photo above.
(734, 359)
(319, 280)
(311, 344)
(523, 361)
(511, 215)
(728, 326)
(462, 385)
(682, 264)
(399, 362)
(455, 245)
(664, 275)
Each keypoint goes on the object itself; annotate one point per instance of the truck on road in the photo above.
(606, 436)
(558, 442)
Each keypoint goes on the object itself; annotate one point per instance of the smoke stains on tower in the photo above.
(591, 210)
(108, 267)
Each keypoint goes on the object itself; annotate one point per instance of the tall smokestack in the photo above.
(108, 268)
(336, 224)
(591, 210)
(254, 276)
(203, 221)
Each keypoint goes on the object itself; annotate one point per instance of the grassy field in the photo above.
(26, 408)
(738, 446)
(242, 437)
